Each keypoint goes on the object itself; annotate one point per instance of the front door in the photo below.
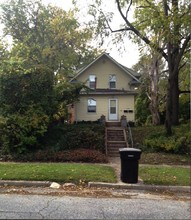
(113, 109)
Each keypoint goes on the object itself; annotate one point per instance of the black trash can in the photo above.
(129, 164)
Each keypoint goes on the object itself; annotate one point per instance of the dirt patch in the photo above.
(164, 158)
(94, 192)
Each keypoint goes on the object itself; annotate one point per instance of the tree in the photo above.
(29, 103)
(48, 46)
(46, 35)
(171, 20)
(149, 66)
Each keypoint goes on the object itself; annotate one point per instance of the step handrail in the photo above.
(130, 133)
(106, 150)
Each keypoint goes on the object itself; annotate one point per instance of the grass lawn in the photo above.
(165, 175)
(83, 173)
(58, 172)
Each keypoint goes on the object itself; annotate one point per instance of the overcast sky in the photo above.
(127, 58)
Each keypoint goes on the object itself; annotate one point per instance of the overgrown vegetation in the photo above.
(57, 142)
(74, 136)
(35, 71)
(154, 139)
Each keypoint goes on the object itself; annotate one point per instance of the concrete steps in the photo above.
(115, 138)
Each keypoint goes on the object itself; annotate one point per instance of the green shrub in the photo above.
(149, 120)
(154, 139)
(69, 137)
(179, 142)
(20, 132)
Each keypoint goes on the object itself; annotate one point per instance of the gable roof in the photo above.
(127, 70)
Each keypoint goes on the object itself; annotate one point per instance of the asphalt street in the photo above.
(132, 205)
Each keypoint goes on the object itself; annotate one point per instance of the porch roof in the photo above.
(109, 92)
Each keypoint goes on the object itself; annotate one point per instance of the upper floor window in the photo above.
(92, 82)
(112, 81)
(91, 105)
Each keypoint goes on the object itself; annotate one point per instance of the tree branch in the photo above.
(180, 55)
(128, 8)
(182, 66)
(185, 92)
(118, 30)
(134, 30)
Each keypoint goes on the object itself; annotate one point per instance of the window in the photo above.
(92, 82)
(91, 105)
(112, 106)
(112, 81)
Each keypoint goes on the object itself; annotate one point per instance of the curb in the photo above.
(121, 185)
(24, 183)
(141, 187)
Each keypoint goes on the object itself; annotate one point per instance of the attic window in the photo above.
(112, 81)
(92, 82)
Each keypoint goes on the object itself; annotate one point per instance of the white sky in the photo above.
(128, 57)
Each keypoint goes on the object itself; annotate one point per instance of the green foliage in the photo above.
(69, 137)
(179, 142)
(26, 106)
(45, 35)
(18, 91)
(20, 132)
(184, 107)
(141, 109)
(154, 139)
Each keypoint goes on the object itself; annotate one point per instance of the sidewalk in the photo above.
(116, 164)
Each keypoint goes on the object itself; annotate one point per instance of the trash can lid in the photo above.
(129, 149)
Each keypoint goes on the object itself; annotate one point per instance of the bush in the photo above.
(178, 143)
(154, 139)
(86, 155)
(75, 136)
(79, 155)
(20, 132)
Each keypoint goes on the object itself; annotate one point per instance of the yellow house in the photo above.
(113, 89)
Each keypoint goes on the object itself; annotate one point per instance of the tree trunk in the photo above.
(172, 103)
(175, 99)
(168, 120)
(154, 75)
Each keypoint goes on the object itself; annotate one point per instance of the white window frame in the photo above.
(112, 80)
(91, 105)
(92, 81)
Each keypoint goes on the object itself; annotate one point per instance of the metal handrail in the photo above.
(130, 134)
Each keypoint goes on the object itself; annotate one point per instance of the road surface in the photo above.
(121, 205)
